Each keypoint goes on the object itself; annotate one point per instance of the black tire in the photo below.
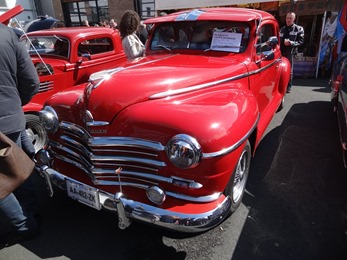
(237, 183)
(36, 132)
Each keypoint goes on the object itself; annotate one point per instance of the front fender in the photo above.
(217, 119)
(32, 107)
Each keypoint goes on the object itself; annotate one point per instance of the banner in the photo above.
(341, 29)
(327, 41)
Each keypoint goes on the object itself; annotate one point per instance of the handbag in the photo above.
(15, 166)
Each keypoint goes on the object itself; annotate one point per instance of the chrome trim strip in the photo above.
(196, 87)
(234, 146)
(126, 159)
(97, 123)
(101, 173)
(75, 129)
(76, 156)
(209, 84)
(124, 141)
(201, 199)
(76, 144)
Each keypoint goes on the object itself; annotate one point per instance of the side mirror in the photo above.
(84, 57)
(268, 55)
(272, 41)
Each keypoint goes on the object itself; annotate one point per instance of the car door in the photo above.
(265, 79)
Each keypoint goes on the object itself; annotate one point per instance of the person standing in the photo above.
(128, 26)
(291, 37)
(85, 23)
(142, 33)
(18, 83)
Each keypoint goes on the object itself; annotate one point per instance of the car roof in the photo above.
(72, 32)
(225, 14)
(42, 24)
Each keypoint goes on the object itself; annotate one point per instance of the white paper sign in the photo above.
(226, 41)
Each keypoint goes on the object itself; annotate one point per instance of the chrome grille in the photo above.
(45, 86)
(99, 157)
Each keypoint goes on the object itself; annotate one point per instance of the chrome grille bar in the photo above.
(45, 86)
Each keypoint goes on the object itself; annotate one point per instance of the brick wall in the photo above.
(118, 7)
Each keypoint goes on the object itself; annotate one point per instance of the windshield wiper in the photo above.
(164, 47)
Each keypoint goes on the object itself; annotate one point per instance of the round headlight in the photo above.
(184, 151)
(49, 119)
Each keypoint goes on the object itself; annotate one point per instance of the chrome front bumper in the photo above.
(129, 210)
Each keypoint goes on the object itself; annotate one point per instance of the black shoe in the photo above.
(19, 236)
(16, 236)
(289, 89)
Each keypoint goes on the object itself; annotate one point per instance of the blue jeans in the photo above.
(17, 209)
(27, 145)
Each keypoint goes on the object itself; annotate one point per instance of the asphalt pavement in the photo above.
(295, 206)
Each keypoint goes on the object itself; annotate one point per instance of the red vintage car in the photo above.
(64, 58)
(167, 138)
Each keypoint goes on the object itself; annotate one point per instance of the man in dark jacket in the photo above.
(18, 83)
(291, 37)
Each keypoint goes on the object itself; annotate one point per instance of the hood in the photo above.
(56, 64)
(6, 17)
(157, 75)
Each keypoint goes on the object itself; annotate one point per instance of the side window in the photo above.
(95, 46)
(265, 32)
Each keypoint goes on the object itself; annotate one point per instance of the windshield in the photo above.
(47, 45)
(201, 35)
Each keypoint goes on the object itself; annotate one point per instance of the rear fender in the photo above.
(284, 75)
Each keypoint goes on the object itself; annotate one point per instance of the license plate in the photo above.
(83, 193)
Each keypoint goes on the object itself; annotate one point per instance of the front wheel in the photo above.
(36, 132)
(237, 183)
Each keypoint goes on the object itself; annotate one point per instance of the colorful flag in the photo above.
(341, 27)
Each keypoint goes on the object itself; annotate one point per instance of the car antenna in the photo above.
(32, 45)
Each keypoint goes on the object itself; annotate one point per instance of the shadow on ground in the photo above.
(298, 200)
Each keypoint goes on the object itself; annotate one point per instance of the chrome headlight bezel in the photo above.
(184, 151)
(49, 119)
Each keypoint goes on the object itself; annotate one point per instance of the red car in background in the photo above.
(64, 58)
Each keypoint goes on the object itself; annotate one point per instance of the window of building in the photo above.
(92, 11)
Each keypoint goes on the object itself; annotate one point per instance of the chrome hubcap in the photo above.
(239, 179)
